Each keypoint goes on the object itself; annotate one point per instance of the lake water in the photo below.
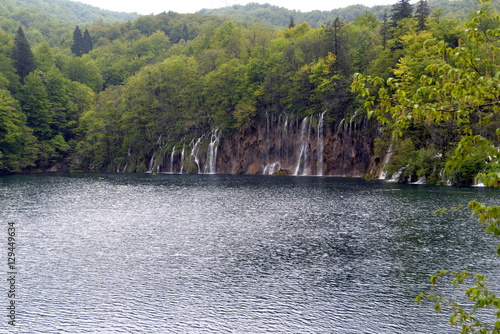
(123, 253)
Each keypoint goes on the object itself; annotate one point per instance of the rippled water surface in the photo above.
(118, 253)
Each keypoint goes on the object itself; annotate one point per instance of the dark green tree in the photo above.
(86, 42)
(384, 30)
(422, 13)
(77, 46)
(185, 32)
(401, 10)
(22, 56)
(336, 33)
(292, 23)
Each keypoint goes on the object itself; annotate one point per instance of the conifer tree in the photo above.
(77, 47)
(86, 42)
(185, 32)
(422, 13)
(292, 23)
(22, 56)
(384, 30)
(401, 10)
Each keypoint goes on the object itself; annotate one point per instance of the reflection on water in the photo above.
(117, 253)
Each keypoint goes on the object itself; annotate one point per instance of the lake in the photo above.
(142, 253)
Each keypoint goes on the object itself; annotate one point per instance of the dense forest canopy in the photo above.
(279, 17)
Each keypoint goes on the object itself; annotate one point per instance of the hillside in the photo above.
(59, 10)
(280, 17)
(47, 20)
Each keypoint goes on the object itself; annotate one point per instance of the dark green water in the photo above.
(118, 253)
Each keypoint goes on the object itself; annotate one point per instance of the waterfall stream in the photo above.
(321, 143)
(172, 160)
(211, 165)
(303, 157)
(194, 153)
(182, 160)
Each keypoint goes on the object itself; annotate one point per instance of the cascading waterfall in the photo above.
(182, 160)
(302, 159)
(195, 152)
(272, 168)
(210, 166)
(352, 122)
(422, 180)
(128, 157)
(388, 156)
(152, 164)
(172, 160)
(321, 143)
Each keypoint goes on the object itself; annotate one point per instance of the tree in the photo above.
(384, 30)
(292, 23)
(401, 10)
(86, 42)
(84, 70)
(336, 35)
(22, 57)
(422, 13)
(459, 88)
(35, 104)
(12, 122)
(78, 45)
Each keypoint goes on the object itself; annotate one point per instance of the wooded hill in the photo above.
(280, 17)
(162, 80)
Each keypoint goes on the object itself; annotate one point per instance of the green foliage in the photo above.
(422, 12)
(77, 46)
(22, 56)
(472, 154)
(401, 10)
(85, 71)
(458, 88)
(82, 43)
(35, 104)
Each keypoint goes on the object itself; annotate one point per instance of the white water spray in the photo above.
(172, 160)
(302, 159)
(210, 166)
(195, 152)
(321, 143)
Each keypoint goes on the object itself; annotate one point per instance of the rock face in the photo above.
(279, 145)
(302, 147)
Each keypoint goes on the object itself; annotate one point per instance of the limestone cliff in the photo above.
(279, 145)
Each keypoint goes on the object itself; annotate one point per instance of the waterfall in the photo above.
(321, 143)
(126, 161)
(388, 156)
(422, 180)
(152, 164)
(285, 126)
(182, 160)
(172, 160)
(341, 127)
(194, 153)
(396, 176)
(210, 166)
(272, 168)
(302, 159)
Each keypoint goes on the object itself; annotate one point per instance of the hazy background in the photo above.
(192, 6)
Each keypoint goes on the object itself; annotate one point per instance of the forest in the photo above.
(105, 96)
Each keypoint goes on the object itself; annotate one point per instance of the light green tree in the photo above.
(460, 86)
